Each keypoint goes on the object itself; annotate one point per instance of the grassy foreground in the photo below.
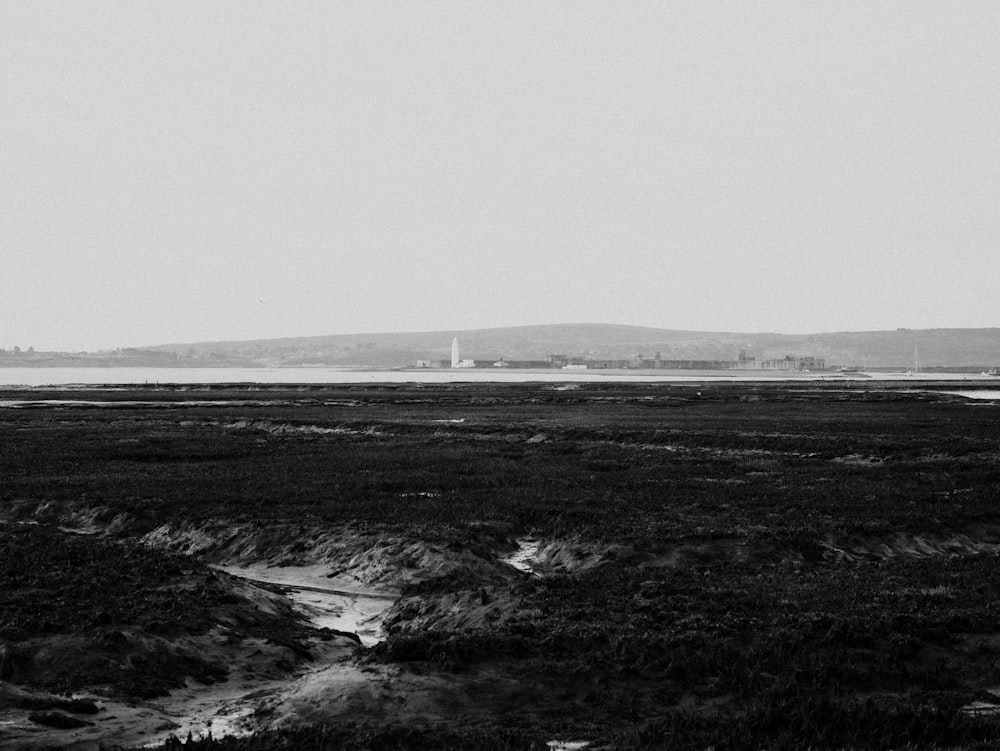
(737, 566)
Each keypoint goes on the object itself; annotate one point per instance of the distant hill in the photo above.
(957, 348)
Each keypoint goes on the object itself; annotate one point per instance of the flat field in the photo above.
(730, 565)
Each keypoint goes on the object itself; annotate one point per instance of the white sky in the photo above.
(184, 171)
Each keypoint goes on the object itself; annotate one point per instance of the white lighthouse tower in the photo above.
(455, 362)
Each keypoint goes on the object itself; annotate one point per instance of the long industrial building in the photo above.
(639, 362)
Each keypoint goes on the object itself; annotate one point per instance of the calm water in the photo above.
(977, 394)
(97, 376)
(139, 376)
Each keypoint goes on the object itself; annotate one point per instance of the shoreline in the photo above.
(73, 377)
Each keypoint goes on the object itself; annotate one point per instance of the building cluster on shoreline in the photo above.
(639, 362)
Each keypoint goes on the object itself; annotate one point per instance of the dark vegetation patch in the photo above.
(740, 631)
(823, 723)
(646, 464)
(53, 582)
(781, 656)
(77, 610)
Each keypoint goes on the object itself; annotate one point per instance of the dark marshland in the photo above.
(500, 566)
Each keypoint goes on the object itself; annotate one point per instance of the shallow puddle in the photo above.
(525, 557)
(976, 394)
(222, 710)
(228, 708)
(981, 708)
(327, 602)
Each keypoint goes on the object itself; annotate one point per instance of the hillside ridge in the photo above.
(970, 349)
(940, 347)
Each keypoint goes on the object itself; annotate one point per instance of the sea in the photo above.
(72, 377)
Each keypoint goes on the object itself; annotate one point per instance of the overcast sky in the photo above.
(186, 171)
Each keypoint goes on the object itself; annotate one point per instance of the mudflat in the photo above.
(621, 565)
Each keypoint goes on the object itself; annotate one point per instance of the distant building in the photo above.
(637, 362)
(811, 363)
(785, 363)
(533, 364)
